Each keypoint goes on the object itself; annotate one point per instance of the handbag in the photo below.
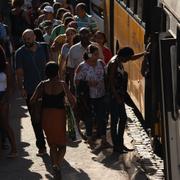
(72, 126)
(71, 122)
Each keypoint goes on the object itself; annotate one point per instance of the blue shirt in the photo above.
(3, 33)
(33, 65)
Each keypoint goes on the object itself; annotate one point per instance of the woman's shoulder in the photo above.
(101, 62)
(44, 82)
(82, 64)
(81, 67)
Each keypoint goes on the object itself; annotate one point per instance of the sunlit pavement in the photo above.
(80, 162)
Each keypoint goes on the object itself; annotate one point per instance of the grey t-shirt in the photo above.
(33, 65)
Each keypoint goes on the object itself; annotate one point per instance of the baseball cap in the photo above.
(48, 9)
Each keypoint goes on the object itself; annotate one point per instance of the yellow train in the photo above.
(133, 23)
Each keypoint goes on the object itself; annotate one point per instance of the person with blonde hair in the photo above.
(70, 33)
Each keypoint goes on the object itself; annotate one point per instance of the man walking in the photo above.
(30, 66)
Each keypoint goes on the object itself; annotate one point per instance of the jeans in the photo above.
(98, 111)
(37, 127)
(118, 123)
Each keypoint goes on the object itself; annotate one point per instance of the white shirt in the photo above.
(3, 82)
(75, 56)
(89, 73)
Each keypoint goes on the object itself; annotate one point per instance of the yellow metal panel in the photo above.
(128, 32)
(107, 18)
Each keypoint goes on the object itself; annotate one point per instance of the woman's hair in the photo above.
(101, 34)
(17, 3)
(73, 24)
(67, 20)
(76, 39)
(51, 69)
(56, 6)
(2, 59)
(60, 13)
(65, 15)
(43, 5)
(81, 6)
(39, 35)
(125, 52)
(90, 50)
(71, 29)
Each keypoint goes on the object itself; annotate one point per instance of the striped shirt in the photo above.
(87, 21)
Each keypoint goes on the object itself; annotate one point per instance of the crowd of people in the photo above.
(57, 54)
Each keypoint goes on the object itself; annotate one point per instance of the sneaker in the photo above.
(41, 152)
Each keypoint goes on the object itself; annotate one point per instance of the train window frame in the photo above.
(140, 9)
(132, 11)
(97, 10)
(126, 2)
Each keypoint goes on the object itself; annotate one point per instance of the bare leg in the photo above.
(54, 154)
(61, 154)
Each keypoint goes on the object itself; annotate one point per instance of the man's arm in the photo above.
(139, 55)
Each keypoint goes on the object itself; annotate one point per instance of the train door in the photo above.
(169, 104)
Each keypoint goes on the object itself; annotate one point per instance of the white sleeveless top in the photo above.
(3, 82)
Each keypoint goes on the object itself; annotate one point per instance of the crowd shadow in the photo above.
(47, 162)
(70, 173)
(20, 167)
(67, 171)
(110, 159)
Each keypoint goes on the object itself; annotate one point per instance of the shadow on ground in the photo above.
(18, 168)
(70, 173)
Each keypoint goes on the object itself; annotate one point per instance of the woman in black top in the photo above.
(52, 92)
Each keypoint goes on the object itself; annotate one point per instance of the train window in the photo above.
(97, 10)
(126, 2)
(140, 8)
(132, 5)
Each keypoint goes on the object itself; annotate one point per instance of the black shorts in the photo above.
(3, 95)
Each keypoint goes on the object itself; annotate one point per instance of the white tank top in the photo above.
(3, 82)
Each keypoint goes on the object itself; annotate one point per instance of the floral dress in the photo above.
(89, 73)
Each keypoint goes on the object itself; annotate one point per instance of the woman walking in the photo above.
(52, 91)
(92, 71)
